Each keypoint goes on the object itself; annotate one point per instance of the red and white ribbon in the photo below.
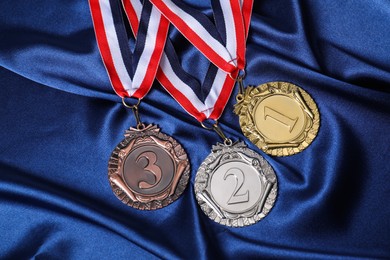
(131, 73)
(232, 18)
(173, 78)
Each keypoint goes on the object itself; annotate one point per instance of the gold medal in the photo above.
(279, 117)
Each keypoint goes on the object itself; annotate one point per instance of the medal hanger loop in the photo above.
(135, 108)
(240, 78)
(131, 106)
(218, 130)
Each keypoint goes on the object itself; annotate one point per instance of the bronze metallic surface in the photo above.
(148, 170)
(144, 167)
(279, 117)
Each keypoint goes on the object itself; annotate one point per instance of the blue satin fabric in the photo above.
(60, 121)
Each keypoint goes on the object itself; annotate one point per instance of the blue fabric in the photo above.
(60, 120)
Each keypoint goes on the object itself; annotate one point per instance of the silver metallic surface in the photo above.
(235, 186)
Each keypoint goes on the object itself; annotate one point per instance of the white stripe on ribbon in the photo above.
(215, 90)
(199, 34)
(231, 42)
(207, 107)
(200, 30)
(137, 5)
(113, 43)
(138, 82)
(150, 45)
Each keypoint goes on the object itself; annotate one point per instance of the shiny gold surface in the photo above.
(279, 117)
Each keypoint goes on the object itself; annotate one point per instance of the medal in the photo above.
(148, 169)
(234, 185)
(279, 117)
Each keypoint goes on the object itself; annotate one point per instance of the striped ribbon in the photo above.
(185, 89)
(223, 43)
(131, 72)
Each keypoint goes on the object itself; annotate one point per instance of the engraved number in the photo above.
(151, 167)
(240, 178)
(289, 122)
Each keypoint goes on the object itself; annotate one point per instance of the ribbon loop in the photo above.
(131, 73)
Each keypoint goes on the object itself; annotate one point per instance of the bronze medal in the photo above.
(279, 117)
(148, 170)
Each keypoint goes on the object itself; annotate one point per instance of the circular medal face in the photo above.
(279, 117)
(235, 186)
(148, 170)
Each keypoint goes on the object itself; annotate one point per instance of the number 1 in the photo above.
(289, 122)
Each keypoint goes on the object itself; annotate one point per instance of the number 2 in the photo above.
(240, 178)
(151, 167)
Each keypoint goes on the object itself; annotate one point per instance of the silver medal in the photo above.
(235, 186)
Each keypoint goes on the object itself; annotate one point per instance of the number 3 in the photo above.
(151, 167)
(240, 178)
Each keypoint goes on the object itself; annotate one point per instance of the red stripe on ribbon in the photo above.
(155, 59)
(194, 38)
(240, 33)
(131, 15)
(241, 19)
(179, 97)
(104, 48)
(223, 98)
(121, 81)
(247, 7)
